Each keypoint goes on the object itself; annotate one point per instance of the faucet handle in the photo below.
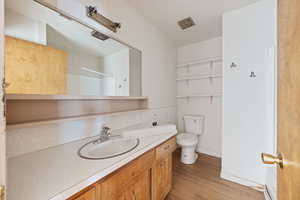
(106, 130)
(105, 127)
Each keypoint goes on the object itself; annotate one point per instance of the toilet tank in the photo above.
(194, 124)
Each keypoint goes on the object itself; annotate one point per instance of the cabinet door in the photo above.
(163, 177)
(88, 195)
(139, 189)
(112, 187)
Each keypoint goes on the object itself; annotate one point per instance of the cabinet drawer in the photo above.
(166, 148)
(114, 184)
(90, 194)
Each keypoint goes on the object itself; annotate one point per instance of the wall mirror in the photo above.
(52, 54)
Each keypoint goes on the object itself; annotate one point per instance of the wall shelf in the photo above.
(69, 97)
(198, 95)
(93, 73)
(68, 119)
(210, 96)
(199, 77)
(36, 108)
(201, 61)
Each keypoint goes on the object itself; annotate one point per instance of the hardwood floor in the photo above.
(201, 181)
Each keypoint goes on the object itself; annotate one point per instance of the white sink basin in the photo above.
(108, 149)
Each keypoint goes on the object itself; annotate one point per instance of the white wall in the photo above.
(118, 65)
(22, 27)
(200, 50)
(79, 84)
(135, 72)
(249, 40)
(211, 140)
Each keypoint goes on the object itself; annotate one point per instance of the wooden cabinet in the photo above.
(162, 171)
(163, 178)
(32, 68)
(140, 188)
(165, 149)
(148, 177)
(116, 184)
(87, 194)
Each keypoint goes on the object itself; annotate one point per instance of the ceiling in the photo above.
(207, 15)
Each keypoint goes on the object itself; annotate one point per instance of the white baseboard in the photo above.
(208, 152)
(242, 181)
(270, 194)
(267, 196)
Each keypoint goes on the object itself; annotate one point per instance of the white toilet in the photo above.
(194, 125)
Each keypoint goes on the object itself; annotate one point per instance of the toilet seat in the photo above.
(189, 139)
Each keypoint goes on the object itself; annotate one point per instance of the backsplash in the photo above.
(28, 139)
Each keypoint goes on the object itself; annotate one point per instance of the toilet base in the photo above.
(188, 155)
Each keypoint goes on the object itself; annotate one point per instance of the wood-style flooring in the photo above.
(201, 181)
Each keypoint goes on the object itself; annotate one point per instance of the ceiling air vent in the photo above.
(186, 23)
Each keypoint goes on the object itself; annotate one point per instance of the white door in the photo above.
(2, 118)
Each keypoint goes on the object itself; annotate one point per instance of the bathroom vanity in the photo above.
(59, 173)
(147, 177)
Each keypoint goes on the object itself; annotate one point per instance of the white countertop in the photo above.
(57, 173)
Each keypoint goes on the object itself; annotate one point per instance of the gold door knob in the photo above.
(270, 159)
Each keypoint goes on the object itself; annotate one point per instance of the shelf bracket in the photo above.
(211, 65)
(211, 99)
(188, 99)
(187, 82)
(188, 68)
(211, 80)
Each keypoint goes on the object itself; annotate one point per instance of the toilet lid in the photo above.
(187, 138)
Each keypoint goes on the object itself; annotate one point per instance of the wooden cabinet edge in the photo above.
(97, 186)
(84, 191)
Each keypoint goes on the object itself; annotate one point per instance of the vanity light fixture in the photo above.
(93, 14)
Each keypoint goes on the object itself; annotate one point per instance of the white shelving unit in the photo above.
(196, 62)
(210, 96)
(198, 95)
(209, 76)
(199, 77)
(39, 97)
(96, 73)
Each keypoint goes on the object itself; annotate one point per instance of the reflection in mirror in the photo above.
(47, 53)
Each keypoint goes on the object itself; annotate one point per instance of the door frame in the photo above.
(3, 159)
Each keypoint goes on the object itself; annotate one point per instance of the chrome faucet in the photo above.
(104, 135)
